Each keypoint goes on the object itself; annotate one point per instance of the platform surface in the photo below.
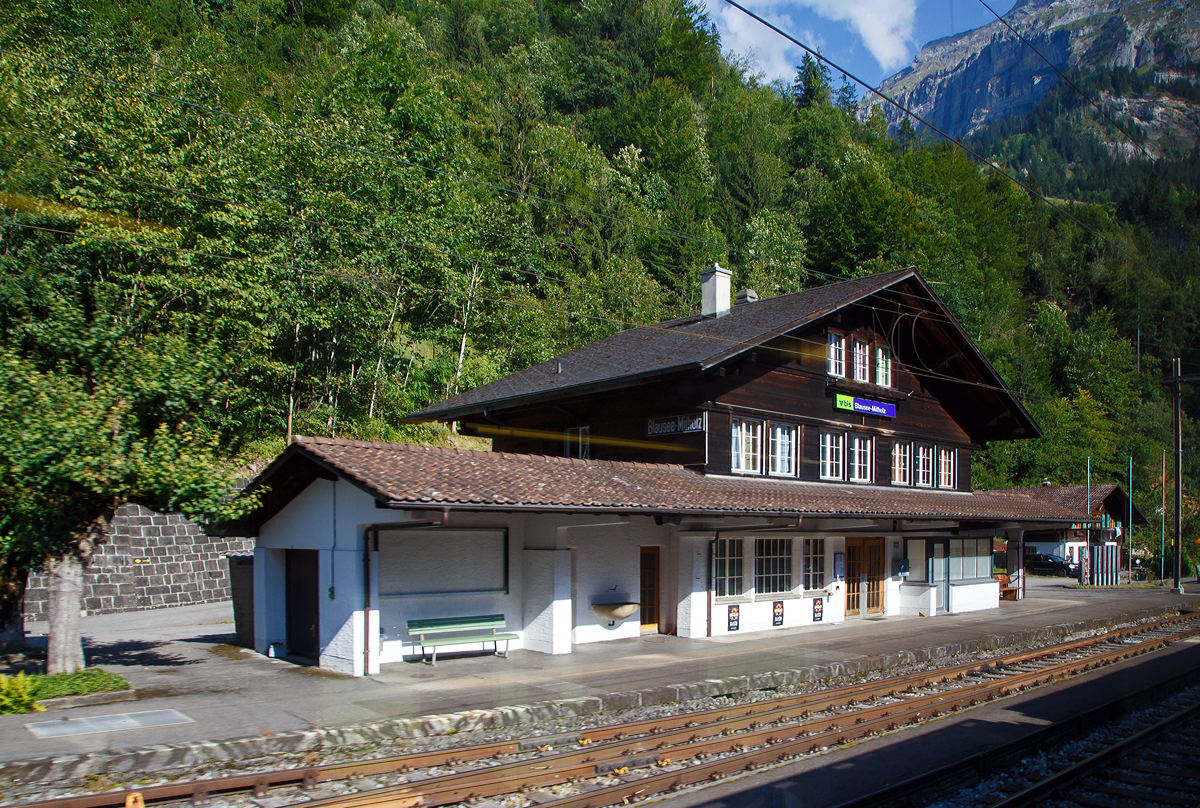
(178, 660)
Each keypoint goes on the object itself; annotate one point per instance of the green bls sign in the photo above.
(844, 402)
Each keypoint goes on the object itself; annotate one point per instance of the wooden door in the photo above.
(854, 563)
(864, 576)
(873, 597)
(649, 593)
(303, 605)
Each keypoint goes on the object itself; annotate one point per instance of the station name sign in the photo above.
(864, 405)
(675, 424)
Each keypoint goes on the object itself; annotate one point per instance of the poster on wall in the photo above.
(777, 613)
(735, 616)
(818, 609)
(839, 566)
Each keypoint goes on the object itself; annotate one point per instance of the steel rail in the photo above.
(971, 770)
(708, 722)
(1059, 780)
(770, 744)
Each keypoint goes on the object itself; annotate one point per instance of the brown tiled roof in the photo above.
(1077, 498)
(691, 342)
(403, 475)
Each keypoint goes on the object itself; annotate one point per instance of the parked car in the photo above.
(1039, 564)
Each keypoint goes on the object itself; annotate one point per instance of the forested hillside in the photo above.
(311, 216)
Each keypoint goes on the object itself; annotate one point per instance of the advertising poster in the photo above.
(818, 609)
(777, 614)
(735, 616)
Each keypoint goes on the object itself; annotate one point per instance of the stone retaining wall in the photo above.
(148, 561)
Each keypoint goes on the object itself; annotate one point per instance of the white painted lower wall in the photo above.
(973, 596)
(917, 599)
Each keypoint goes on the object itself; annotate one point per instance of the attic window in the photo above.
(862, 361)
(883, 366)
(835, 354)
(577, 442)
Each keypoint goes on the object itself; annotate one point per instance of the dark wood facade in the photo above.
(785, 381)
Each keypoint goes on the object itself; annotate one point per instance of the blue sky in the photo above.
(871, 38)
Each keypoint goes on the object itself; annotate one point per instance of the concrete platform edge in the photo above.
(169, 756)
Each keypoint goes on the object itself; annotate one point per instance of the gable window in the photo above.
(901, 463)
(883, 366)
(862, 361)
(832, 449)
(782, 458)
(946, 468)
(727, 567)
(577, 442)
(746, 451)
(923, 467)
(860, 459)
(772, 566)
(835, 355)
(813, 564)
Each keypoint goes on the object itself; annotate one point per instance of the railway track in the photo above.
(1157, 765)
(624, 762)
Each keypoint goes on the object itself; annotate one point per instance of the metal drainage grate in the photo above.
(106, 723)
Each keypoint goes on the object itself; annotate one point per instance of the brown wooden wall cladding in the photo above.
(782, 382)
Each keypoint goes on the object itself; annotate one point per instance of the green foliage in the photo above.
(21, 693)
(79, 683)
(356, 210)
(17, 695)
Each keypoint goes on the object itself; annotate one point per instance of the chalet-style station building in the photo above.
(780, 463)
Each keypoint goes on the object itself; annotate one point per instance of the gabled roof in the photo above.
(700, 343)
(406, 476)
(1078, 498)
(695, 342)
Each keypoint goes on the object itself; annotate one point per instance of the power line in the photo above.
(1067, 79)
(378, 283)
(450, 175)
(979, 157)
(400, 161)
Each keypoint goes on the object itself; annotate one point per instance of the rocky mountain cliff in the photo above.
(964, 82)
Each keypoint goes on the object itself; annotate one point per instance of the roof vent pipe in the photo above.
(745, 296)
(714, 291)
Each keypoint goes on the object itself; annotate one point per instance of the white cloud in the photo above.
(771, 54)
(885, 27)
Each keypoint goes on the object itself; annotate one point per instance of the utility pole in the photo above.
(1178, 379)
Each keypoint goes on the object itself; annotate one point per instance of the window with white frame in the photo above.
(860, 459)
(832, 448)
(902, 463)
(782, 457)
(883, 366)
(813, 564)
(727, 567)
(946, 468)
(923, 465)
(772, 566)
(862, 361)
(577, 442)
(835, 357)
(746, 451)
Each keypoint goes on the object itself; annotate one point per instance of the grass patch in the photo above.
(79, 683)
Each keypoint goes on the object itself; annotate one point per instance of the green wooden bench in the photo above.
(429, 632)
